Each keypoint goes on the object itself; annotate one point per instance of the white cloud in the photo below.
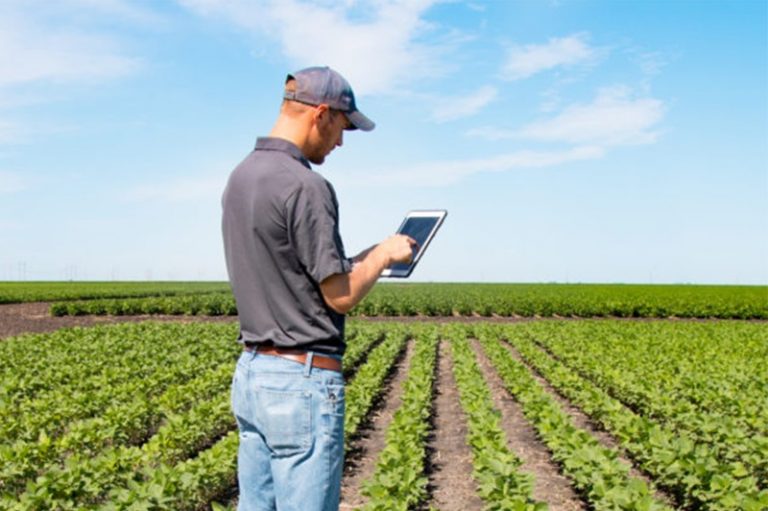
(201, 188)
(449, 109)
(119, 10)
(528, 60)
(445, 173)
(613, 118)
(373, 43)
(52, 43)
(33, 52)
(11, 182)
(650, 62)
(477, 7)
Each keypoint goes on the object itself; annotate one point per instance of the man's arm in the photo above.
(359, 257)
(342, 291)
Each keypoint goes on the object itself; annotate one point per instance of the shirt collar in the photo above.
(280, 144)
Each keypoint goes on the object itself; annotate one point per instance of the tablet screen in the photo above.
(419, 229)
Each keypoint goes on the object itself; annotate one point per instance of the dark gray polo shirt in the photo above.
(281, 239)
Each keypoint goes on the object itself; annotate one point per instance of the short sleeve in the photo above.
(313, 230)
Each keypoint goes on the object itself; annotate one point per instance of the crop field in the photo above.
(449, 415)
(507, 300)
(18, 292)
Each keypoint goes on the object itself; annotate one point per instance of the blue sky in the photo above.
(570, 141)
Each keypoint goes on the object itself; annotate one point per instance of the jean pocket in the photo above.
(285, 417)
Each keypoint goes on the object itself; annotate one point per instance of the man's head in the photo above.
(318, 106)
(324, 86)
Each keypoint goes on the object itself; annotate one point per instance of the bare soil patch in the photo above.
(21, 318)
(550, 485)
(371, 438)
(451, 482)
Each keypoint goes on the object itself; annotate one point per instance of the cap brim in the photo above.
(359, 121)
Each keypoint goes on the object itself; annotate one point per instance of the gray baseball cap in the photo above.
(323, 85)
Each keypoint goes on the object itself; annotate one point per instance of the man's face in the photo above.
(330, 134)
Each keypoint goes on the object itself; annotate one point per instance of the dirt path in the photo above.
(581, 420)
(453, 488)
(21, 318)
(551, 486)
(361, 460)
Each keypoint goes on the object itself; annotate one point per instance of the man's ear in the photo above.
(321, 113)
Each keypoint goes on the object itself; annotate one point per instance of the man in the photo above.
(293, 285)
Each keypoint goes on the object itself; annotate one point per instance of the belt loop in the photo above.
(308, 364)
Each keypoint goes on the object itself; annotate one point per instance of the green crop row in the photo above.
(83, 481)
(594, 469)
(16, 292)
(501, 484)
(369, 379)
(542, 300)
(578, 300)
(399, 483)
(134, 361)
(358, 347)
(690, 472)
(669, 370)
(211, 304)
(125, 423)
(189, 485)
(83, 450)
(694, 379)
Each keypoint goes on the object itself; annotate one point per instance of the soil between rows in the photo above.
(550, 485)
(451, 482)
(583, 421)
(371, 439)
(33, 317)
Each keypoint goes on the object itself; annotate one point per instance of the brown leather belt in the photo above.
(297, 355)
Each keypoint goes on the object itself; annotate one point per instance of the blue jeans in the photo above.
(291, 420)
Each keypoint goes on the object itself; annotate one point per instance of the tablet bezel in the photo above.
(440, 214)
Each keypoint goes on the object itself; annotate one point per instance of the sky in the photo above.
(570, 141)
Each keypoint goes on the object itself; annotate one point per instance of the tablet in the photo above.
(421, 226)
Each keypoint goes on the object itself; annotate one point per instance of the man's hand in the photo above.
(343, 291)
(399, 248)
